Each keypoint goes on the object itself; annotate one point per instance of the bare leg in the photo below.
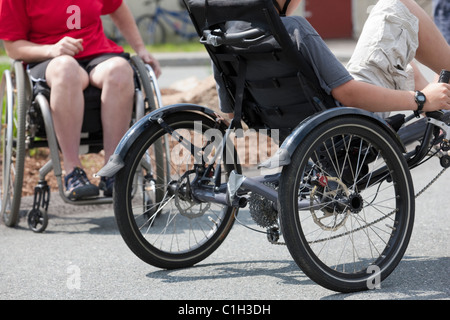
(115, 78)
(433, 50)
(67, 80)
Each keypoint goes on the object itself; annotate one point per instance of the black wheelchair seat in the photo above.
(92, 100)
(92, 124)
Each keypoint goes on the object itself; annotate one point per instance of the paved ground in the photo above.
(82, 256)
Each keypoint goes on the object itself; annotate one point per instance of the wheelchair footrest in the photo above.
(41, 196)
(37, 216)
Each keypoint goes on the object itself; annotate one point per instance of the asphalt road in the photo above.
(82, 256)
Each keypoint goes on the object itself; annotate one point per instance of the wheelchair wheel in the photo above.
(152, 101)
(177, 231)
(12, 147)
(145, 84)
(347, 205)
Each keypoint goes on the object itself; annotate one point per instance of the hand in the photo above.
(66, 46)
(438, 96)
(149, 59)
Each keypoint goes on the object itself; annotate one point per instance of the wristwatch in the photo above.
(420, 100)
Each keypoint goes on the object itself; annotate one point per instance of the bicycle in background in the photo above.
(153, 26)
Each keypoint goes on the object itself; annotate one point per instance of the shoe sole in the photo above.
(83, 193)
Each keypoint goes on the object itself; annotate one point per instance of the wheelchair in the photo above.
(343, 198)
(27, 123)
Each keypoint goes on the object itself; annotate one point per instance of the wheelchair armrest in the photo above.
(217, 38)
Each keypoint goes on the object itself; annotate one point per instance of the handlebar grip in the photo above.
(444, 76)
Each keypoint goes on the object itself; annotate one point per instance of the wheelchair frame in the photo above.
(19, 137)
(314, 184)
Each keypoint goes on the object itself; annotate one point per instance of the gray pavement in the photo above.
(82, 255)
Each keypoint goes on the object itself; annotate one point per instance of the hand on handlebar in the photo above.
(438, 96)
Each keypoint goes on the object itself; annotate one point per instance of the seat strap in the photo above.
(283, 10)
(239, 94)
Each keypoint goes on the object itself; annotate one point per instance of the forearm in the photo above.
(374, 98)
(419, 79)
(27, 51)
(124, 20)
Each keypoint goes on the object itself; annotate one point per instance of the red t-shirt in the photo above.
(48, 21)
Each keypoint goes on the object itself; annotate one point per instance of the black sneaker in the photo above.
(78, 185)
(106, 184)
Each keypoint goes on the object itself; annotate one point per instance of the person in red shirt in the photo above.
(64, 44)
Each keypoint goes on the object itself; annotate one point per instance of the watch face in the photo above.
(420, 97)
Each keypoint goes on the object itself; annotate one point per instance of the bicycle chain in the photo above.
(378, 220)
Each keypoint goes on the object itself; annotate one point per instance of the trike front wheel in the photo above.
(347, 204)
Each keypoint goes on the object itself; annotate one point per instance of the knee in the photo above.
(64, 71)
(119, 75)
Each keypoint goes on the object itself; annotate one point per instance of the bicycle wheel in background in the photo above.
(151, 29)
(347, 208)
(178, 230)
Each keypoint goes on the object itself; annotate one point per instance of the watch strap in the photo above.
(420, 99)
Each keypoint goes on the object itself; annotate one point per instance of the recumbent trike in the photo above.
(344, 200)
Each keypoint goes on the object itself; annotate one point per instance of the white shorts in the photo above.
(386, 47)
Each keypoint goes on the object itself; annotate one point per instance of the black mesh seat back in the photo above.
(280, 87)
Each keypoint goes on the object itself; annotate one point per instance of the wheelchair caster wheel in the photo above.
(37, 220)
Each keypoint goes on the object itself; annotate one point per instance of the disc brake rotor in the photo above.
(184, 202)
(333, 211)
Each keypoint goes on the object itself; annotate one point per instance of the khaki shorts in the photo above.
(386, 47)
